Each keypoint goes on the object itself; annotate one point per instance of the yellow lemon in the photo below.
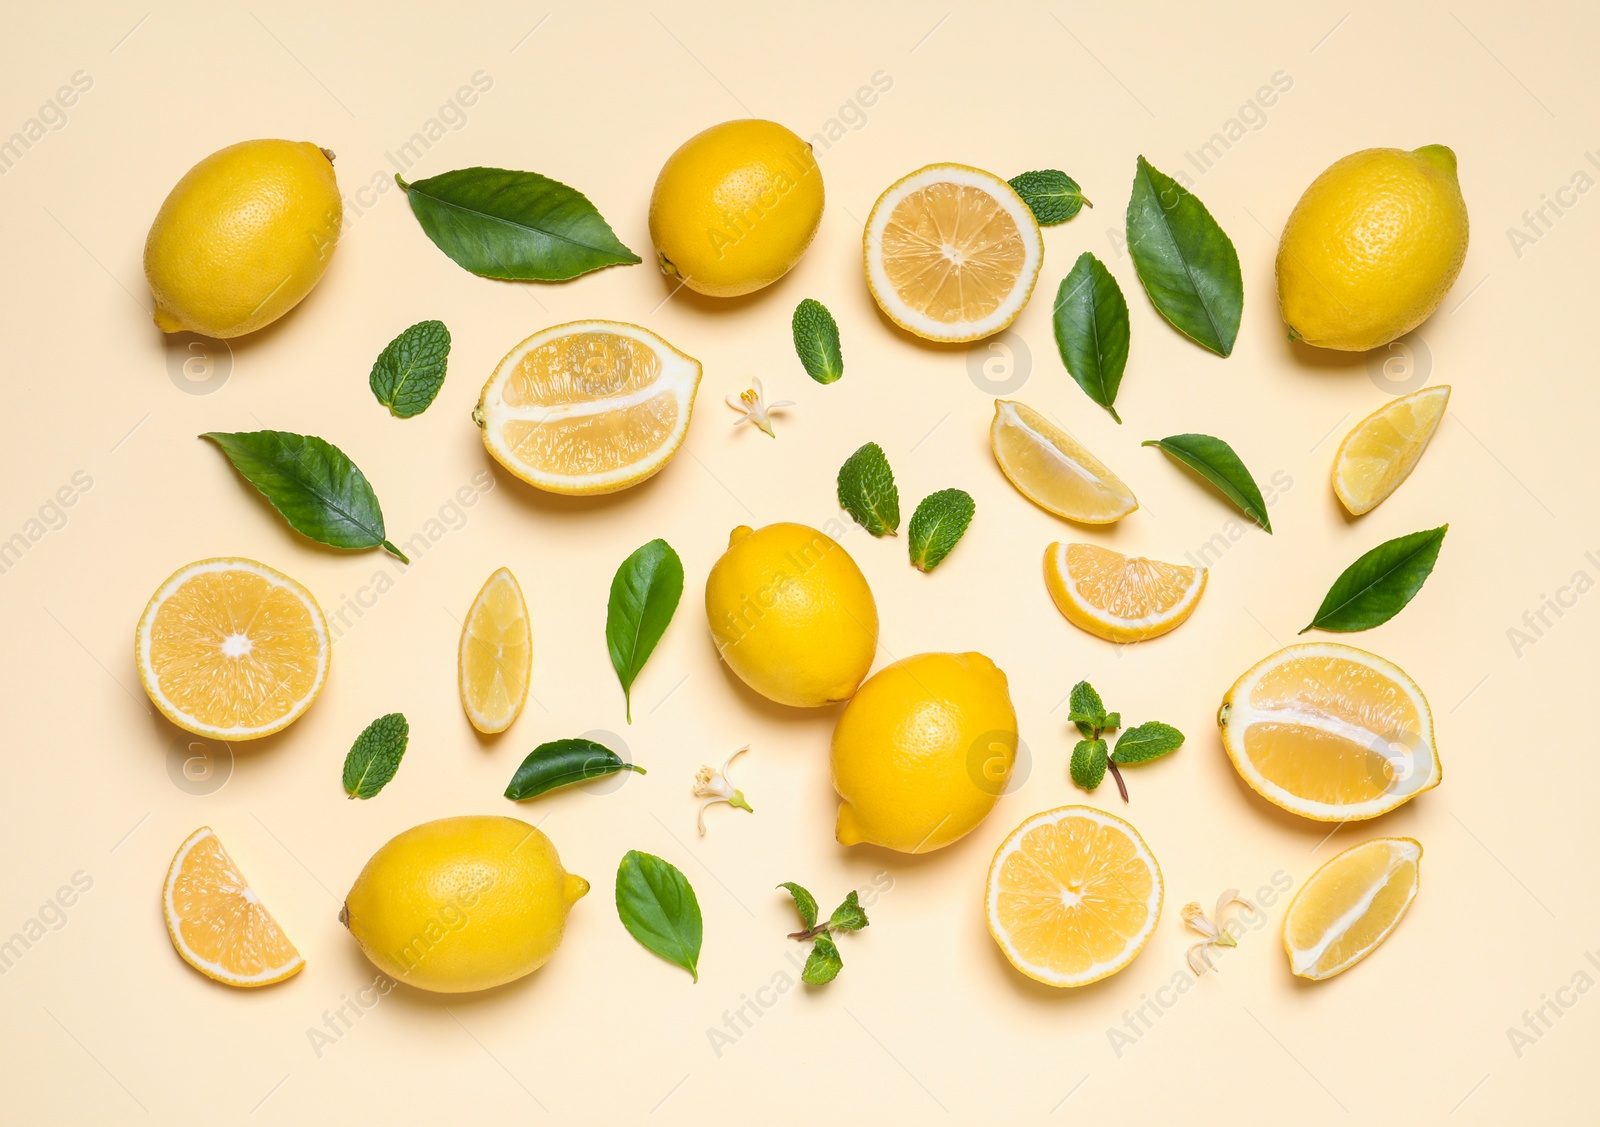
(792, 614)
(923, 752)
(1372, 247)
(243, 237)
(462, 903)
(735, 207)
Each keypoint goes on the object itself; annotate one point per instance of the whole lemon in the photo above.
(243, 237)
(1372, 247)
(735, 207)
(923, 752)
(462, 903)
(792, 614)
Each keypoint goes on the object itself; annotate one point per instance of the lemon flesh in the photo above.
(1382, 449)
(1120, 598)
(1350, 906)
(462, 904)
(243, 237)
(1372, 247)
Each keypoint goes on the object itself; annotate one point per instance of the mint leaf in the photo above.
(1050, 194)
(867, 490)
(644, 597)
(816, 341)
(1214, 460)
(1111, 721)
(848, 916)
(657, 905)
(1377, 586)
(938, 524)
(1091, 326)
(1150, 740)
(804, 902)
(824, 963)
(1087, 708)
(1088, 765)
(375, 756)
(409, 372)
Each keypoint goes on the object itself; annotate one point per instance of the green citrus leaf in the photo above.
(644, 596)
(1214, 460)
(561, 763)
(1091, 324)
(1186, 262)
(1377, 586)
(658, 907)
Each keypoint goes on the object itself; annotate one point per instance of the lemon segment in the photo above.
(952, 253)
(231, 648)
(1073, 896)
(217, 922)
(1053, 470)
(1120, 598)
(496, 655)
(1350, 905)
(1330, 732)
(1382, 449)
(588, 407)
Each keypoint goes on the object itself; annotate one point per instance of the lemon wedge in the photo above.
(496, 656)
(1120, 598)
(1050, 468)
(1350, 905)
(217, 922)
(1382, 449)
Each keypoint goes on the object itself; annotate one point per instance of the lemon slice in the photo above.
(231, 648)
(1330, 732)
(1350, 905)
(952, 253)
(1120, 598)
(588, 407)
(496, 654)
(1073, 895)
(217, 923)
(1382, 449)
(1050, 468)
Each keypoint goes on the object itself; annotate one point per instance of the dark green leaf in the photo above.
(1185, 260)
(823, 964)
(849, 916)
(1050, 194)
(644, 596)
(318, 490)
(1088, 764)
(1147, 741)
(940, 521)
(867, 490)
(658, 907)
(1091, 323)
(410, 370)
(561, 763)
(804, 902)
(375, 756)
(514, 225)
(1378, 585)
(816, 341)
(1214, 460)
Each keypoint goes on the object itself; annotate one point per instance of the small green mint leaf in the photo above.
(1147, 741)
(816, 341)
(937, 526)
(1088, 712)
(1050, 194)
(375, 756)
(804, 901)
(824, 963)
(848, 916)
(409, 372)
(1111, 721)
(1088, 765)
(867, 490)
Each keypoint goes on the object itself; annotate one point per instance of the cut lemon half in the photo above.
(1382, 449)
(1120, 598)
(496, 654)
(952, 253)
(217, 923)
(1350, 905)
(588, 407)
(231, 648)
(1073, 895)
(1050, 468)
(1330, 732)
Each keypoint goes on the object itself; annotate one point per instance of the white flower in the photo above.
(714, 787)
(1216, 933)
(754, 409)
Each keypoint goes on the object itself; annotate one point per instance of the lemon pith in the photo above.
(1053, 470)
(1381, 450)
(1350, 905)
(1120, 598)
(217, 924)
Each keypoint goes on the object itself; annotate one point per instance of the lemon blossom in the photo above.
(714, 787)
(755, 409)
(1216, 933)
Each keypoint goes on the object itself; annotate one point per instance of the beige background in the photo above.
(101, 1021)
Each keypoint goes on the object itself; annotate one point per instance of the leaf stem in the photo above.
(1122, 787)
(396, 552)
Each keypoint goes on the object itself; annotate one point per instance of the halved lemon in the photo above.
(1050, 468)
(232, 648)
(1073, 895)
(588, 407)
(952, 253)
(1350, 905)
(1382, 449)
(1330, 732)
(496, 655)
(218, 923)
(1120, 598)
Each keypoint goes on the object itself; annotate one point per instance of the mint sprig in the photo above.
(824, 962)
(1092, 757)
